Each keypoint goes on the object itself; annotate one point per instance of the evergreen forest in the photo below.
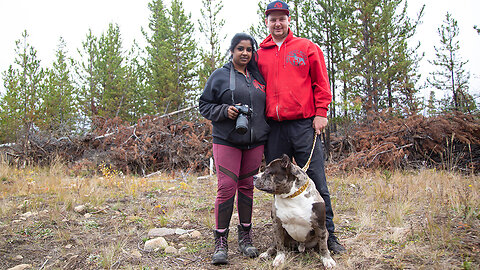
(372, 60)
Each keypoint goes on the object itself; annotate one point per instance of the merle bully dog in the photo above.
(298, 211)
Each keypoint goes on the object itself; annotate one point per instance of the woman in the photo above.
(237, 149)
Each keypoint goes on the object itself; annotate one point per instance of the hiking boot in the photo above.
(221, 248)
(334, 246)
(245, 242)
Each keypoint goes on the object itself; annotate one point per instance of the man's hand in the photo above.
(319, 123)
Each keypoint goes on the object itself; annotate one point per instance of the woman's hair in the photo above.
(252, 65)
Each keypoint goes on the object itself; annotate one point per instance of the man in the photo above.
(298, 95)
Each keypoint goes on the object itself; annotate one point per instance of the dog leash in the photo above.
(305, 168)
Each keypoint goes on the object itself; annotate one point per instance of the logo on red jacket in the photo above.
(297, 58)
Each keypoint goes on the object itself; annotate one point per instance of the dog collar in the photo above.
(299, 191)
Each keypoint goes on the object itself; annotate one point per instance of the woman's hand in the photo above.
(232, 112)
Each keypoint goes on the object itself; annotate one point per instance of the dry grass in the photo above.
(411, 220)
(387, 220)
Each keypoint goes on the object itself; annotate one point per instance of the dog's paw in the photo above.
(279, 259)
(264, 255)
(328, 262)
(301, 247)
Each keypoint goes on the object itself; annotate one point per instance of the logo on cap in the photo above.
(277, 5)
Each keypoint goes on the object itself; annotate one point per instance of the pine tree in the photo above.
(136, 81)
(385, 67)
(159, 69)
(349, 96)
(24, 83)
(10, 119)
(88, 85)
(259, 30)
(184, 56)
(171, 57)
(401, 62)
(366, 61)
(451, 76)
(432, 104)
(321, 19)
(299, 9)
(59, 107)
(115, 99)
(211, 26)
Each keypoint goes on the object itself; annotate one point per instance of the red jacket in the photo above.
(296, 76)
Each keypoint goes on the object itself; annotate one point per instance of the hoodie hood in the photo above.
(268, 42)
(228, 65)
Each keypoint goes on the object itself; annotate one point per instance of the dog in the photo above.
(298, 211)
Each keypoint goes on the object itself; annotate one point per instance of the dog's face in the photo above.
(277, 177)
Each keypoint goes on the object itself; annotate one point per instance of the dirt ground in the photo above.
(125, 209)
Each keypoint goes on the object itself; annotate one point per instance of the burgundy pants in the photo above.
(235, 171)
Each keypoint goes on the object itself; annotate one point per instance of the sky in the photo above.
(48, 20)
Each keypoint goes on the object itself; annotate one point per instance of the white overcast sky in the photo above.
(48, 20)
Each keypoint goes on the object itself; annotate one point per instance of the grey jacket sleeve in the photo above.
(210, 105)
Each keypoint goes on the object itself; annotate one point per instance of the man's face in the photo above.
(277, 23)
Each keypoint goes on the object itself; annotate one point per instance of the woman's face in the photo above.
(242, 53)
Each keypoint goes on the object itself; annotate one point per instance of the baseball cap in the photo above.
(277, 6)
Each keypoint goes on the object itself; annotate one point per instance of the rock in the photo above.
(179, 231)
(196, 234)
(21, 267)
(28, 214)
(81, 209)
(18, 258)
(157, 232)
(184, 236)
(87, 215)
(171, 250)
(136, 254)
(157, 243)
(69, 246)
(182, 250)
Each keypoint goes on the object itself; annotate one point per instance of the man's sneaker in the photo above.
(334, 246)
(245, 242)
(220, 255)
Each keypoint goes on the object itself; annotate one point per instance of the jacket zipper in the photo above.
(276, 83)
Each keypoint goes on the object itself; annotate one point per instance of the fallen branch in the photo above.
(153, 119)
(386, 151)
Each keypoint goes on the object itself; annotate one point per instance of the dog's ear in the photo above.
(285, 161)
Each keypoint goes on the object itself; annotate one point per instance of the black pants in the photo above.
(295, 138)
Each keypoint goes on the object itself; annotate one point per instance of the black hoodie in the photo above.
(217, 97)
